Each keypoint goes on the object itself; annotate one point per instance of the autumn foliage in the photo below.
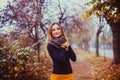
(18, 63)
(103, 69)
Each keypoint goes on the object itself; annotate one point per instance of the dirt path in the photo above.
(81, 68)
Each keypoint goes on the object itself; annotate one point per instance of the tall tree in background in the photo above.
(110, 9)
(101, 25)
(82, 32)
(27, 15)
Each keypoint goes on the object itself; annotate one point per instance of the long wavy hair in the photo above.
(49, 33)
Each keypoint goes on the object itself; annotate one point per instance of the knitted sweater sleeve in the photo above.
(58, 56)
(72, 54)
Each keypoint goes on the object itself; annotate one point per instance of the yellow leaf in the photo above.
(16, 69)
(100, 12)
(115, 20)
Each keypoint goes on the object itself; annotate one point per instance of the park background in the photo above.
(92, 27)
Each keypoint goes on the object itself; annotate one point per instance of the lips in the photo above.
(57, 33)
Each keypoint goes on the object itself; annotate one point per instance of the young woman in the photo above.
(61, 52)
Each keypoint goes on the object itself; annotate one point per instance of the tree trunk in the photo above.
(97, 41)
(116, 43)
(36, 41)
(97, 45)
(98, 33)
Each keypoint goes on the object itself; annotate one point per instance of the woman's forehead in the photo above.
(55, 26)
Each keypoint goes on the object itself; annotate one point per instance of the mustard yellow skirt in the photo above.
(61, 77)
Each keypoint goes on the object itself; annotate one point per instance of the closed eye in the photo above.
(58, 28)
(53, 29)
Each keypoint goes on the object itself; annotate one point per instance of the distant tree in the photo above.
(101, 25)
(106, 38)
(82, 32)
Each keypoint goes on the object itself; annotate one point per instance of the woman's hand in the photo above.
(65, 44)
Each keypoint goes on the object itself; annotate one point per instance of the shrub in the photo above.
(21, 63)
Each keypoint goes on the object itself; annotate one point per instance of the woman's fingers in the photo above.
(66, 44)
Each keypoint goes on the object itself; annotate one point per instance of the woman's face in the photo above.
(56, 30)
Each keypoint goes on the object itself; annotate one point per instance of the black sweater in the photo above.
(60, 57)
